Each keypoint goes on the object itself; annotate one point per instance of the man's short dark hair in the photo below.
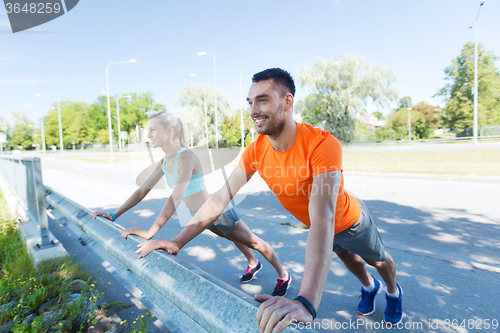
(281, 78)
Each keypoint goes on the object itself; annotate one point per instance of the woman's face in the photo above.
(157, 134)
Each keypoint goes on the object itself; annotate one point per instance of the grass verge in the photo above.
(485, 162)
(66, 292)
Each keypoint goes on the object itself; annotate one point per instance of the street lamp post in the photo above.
(204, 108)
(475, 120)
(409, 125)
(120, 145)
(109, 106)
(215, 94)
(43, 136)
(242, 127)
(60, 125)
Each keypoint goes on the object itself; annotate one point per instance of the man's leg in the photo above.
(356, 265)
(387, 270)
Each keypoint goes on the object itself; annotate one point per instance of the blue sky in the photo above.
(67, 57)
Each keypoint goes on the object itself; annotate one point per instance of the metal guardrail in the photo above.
(212, 307)
(23, 175)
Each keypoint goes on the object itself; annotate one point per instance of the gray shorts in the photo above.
(225, 222)
(361, 238)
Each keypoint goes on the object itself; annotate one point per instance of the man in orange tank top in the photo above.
(302, 165)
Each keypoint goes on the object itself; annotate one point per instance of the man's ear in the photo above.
(288, 101)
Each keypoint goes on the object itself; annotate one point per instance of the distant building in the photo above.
(371, 122)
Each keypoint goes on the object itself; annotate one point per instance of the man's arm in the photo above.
(205, 216)
(278, 312)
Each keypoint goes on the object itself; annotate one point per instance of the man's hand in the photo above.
(278, 312)
(103, 214)
(149, 246)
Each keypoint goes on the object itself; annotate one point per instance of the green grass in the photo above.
(29, 287)
(461, 162)
(484, 162)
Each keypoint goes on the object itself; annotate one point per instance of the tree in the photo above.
(134, 112)
(379, 115)
(459, 89)
(74, 122)
(4, 125)
(405, 102)
(230, 127)
(385, 134)
(23, 136)
(75, 117)
(191, 100)
(51, 128)
(23, 131)
(429, 113)
(399, 123)
(341, 89)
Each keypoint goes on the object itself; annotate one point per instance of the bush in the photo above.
(385, 134)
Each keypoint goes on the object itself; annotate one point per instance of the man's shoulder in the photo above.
(316, 137)
(261, 143)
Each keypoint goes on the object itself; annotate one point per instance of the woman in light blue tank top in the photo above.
(184, 174)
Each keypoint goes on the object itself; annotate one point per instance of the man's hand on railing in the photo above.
(149, 246)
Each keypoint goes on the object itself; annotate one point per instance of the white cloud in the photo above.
(12, 58)
(25, 81)
(30, 81)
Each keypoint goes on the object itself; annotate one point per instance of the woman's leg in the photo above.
(247, 252)
(242, 234)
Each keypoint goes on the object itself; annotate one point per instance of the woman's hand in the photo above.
(132, 231)
(103, 214)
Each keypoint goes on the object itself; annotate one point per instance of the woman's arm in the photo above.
(205, 216)
(137, 196)
(186, 166)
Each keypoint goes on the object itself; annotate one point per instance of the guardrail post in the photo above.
(39, 205)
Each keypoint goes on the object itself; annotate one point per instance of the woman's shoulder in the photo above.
(188, 157)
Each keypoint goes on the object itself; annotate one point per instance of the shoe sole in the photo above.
(400, 320)
(374, 302)
(255, 273)
(288, 286)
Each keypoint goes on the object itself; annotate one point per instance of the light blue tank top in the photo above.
(196, 184)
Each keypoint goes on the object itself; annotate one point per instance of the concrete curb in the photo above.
(214, 306)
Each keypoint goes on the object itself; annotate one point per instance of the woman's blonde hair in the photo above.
(168, 119)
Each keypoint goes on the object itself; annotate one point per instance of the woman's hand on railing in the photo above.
(103, 214)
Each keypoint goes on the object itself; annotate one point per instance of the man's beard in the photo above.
(276, 127)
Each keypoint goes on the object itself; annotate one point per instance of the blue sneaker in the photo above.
(366, 306)
(394, 310)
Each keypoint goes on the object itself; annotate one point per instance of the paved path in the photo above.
(443, 234)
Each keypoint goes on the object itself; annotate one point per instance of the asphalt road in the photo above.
(444, 235)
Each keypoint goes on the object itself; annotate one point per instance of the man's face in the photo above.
(267, 108)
